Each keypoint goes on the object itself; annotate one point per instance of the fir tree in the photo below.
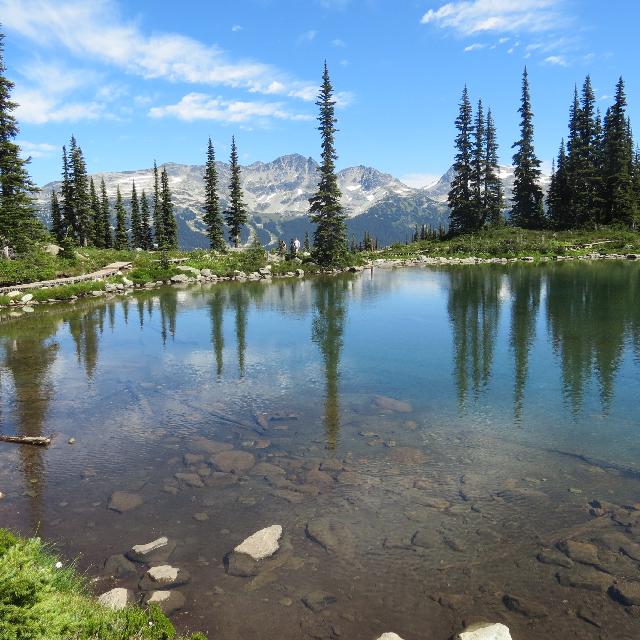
(120, 239)
(18, 224)
(145, 222)
(97, 238)
(478, 167)
(169, 224)
(325, 210)
(618, 205)
(462, 218)
(493, 192)
(81, 201)
(527, 207)
(236, 214)
(307, 245)
(57, 226)
(212, 215)
(137, 236)
(66, 193)
(157, 213)
(106, 216)
(559, 195)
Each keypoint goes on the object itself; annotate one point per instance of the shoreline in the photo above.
(22, 296)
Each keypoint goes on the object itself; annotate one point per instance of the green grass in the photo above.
(41, 602)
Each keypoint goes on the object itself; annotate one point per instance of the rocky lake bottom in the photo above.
(397, 513)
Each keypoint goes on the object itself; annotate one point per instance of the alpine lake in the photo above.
(441, 446)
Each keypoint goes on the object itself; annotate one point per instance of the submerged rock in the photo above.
(119, 567)
(391, 404)
(168, 601)
(318, 600)
(485, 631)
(190, 479)
(122, 501)
(210, 446)
(156, 551)
(233, 461)
(626, 591)
(524, 607)
(117, 599)
(164, 577)
(583, 552)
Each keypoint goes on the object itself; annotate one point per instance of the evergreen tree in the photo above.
(145, 222)
(618, 205)
(120, 239)
(137, 236)
(97, 238)
(81, 201)
(527, 208)
(462, 218)
(493, 192)
(307, 245)
(212, 216)
(157, 213)
(236, 214)
(57, 226)
(66, 193)
(169, 224)
(325, 210)
(106, 216)
(478, 167)
(559, 195)
(18, 224)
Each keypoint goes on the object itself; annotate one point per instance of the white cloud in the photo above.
(474, 47)
(306, 37)
(469, 17)
(200, 106)
(36, 149)
(338, 43)
(95, 30)
(236, 28)
(559, 61)
(419, 180)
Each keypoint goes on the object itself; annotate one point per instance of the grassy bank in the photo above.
(511, 242)
(39, 601)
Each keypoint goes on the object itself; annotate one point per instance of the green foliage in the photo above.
(212, 215)
(236, 214)
(137, 232)
(169, 224)
(68, 247)
(39, 601)
(325, 210)
(120, 239)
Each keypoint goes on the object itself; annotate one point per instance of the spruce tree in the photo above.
(120, 239)
(169, 225)
(307, 245)
(527, 207)
(493, 191)
(97, 238)
(559, 195)
(145, 222)
(57, 226)
(212, 215)
(236, 214)
(618, 205)
(81, 200)
(157, 210)
(137, 239)
(66, 193)
(19, 227)
(460, 199)
(106, 216)
(325, 210)
(478, 167)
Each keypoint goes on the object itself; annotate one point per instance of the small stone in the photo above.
(233, 461)
(122, 501)
(262, 544)
(332, 465)
(192, 458)
(116, 599)
(157, 551)
(27, 297)
(190, 479)
(391, 404)
(210, 446)
(285, 602)
(318, 600)
(485, 631)
(168, 601)
(71, 440)
(389, 636)
(201, 516)
(118, 566)
(164, 577)
(268, 470)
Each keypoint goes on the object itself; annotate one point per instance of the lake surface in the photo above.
(433, 437)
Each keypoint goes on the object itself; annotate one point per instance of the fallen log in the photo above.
(41, 441)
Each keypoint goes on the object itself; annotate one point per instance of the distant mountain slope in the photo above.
(277, 197)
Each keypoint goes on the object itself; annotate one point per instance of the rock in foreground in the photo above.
(117, 599)
(485, 631)
(262, 544)
(157, 551)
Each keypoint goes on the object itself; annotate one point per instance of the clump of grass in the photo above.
(39, 601)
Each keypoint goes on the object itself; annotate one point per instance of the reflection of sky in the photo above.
(397, 340)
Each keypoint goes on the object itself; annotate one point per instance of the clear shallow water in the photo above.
(522, 385)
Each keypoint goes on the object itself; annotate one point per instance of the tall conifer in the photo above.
(527, 207)
(137, 239)
(81, 200)
(460, 199)
(57, 226)
(478, 167)
(120, 239)
(169, 224)
(493, 191)
(212, 215)
(236, 214)
(559, 194)
(325, 210)
(97, 238)
(145, 222)
(157, 209)
(106, 216)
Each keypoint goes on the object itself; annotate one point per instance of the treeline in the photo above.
(82, 215)
(595, 180)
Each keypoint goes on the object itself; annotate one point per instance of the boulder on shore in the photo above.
(485, 631)
(117, 599)
(168, 601)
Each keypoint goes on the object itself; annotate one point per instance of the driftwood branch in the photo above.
(41, 441)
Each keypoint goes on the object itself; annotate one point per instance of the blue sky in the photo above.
(140, 80)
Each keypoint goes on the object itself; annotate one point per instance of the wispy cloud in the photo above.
(419, 180)
(476, 46)
(559, 61)
(200, 106)
(36, 149)
(470, 17)
(95, 30)
(306, 37)
(338, 43)
(236, 28)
